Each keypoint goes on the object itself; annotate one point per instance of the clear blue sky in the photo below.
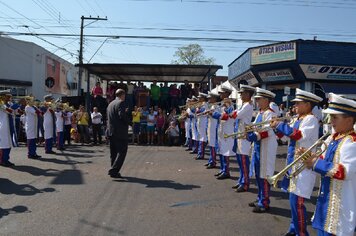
(258, 19)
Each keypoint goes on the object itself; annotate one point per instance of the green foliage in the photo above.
(192, 54)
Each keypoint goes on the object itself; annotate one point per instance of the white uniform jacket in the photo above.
(48, 123)
(303, 133)
(202, 123)
(243, 118)
(213, 128)
(31, 122)
(59, 121)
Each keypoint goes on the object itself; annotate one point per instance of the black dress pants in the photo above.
(118, 150)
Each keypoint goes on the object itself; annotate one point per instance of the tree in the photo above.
(192, 54)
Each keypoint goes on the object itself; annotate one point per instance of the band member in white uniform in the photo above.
(31, 127)
(7, 129)
(336, 205)
(226, 125)
(264, 150)
(212, 131)
(303, 132)
(49, 124)
(192, 115)
(202, 125)
(243, 116)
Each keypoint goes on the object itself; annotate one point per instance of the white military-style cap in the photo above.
(340, 105)
(48, 96)
(5, 92)
(264, 93)
(213, 94)
(202, 95)
(244, 88)
(224, 88)
(304, 96)
(194, 98)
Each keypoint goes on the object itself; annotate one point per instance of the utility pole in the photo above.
(81, 48)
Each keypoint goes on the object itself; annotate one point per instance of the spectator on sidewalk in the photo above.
(173, 134)
(160, 122)
(83, 125)
(97, 90)
(136, 119)
(151, 121)
(97, 119)
(155, 93)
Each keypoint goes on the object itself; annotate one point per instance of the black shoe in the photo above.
(5, 164)
(38, 156)
(51, 152)
(207, 164)
(259, 209)
(253, 204)
(193, 152)
(211, 166)
(199, 158)
(223, 176)
(290, 234)
(219, 173)
(240, 189)
(235, 186)
(188, 149)
(10, 163)
(116, 176)
(33, 157)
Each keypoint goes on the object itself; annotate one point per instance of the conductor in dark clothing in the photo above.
(117, 131)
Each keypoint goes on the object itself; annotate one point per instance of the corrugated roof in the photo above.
(150, 72)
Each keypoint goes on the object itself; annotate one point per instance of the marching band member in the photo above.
(264, 150)
(304, 132)
(243, 117)
(192, 115)
(202, 124)
(212, 131)
(7, 129)
(31, 127)
(49, 124)
(336, 206)
(226, 125)
(60, 126)
(187, 126)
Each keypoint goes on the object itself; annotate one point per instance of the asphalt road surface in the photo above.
(164, 192)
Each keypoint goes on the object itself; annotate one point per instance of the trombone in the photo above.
(273, 180)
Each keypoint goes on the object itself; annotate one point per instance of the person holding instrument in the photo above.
(336, 206)
(243, 117)
(264, 150)
(303, 132)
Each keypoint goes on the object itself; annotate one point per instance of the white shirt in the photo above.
(96, 118)
(68, 118)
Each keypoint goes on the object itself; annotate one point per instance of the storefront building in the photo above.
(316, 66)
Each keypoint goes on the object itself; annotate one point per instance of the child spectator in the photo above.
(151, 120)
(136, 119)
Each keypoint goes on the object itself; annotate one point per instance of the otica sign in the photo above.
(329, 72)
(273, 53)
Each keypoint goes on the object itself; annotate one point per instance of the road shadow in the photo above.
(15, 210)
(69, 154)
(8, 187)
(277, 211)
(100, 226)
(69, 177)
(63, 162)
(158, 183)
(36, 171)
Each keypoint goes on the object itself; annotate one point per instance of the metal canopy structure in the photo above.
(150, 72)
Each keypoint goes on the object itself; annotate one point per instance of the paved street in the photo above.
(164, 192)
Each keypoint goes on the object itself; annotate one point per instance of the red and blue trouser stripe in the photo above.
(60, 140)
(48, 144)
(225, 164)
(299, 215)
(244, 165)
(201, 150)
(212, 158)
(31, 147)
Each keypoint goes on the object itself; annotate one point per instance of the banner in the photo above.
(240, 65)
(249, 77)
(276, 75)
(273, 53)
(57, 74)
(324, 72)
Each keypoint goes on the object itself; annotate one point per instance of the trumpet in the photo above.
(243, 135)
(273, 180)
(254, 128)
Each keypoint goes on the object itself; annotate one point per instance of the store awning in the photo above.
(150, 72)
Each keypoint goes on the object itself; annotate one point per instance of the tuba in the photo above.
(273, 180)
